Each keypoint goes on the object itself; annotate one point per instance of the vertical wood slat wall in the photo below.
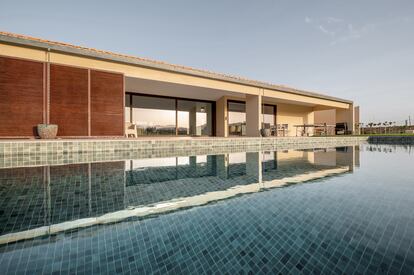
(21, 97)
(69, 100)
(83, 102)
(107, 103)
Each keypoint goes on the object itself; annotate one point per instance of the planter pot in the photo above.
(265, 132)
(47, 131)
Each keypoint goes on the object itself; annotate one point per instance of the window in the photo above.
(161, 116)
(153, 115)
(236, 118)
(194, 118)
(269, 116)
(127, 108)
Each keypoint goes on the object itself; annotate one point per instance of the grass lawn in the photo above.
(371, 135)
(384, 135)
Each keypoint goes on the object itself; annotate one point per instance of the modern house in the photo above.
(93, 93)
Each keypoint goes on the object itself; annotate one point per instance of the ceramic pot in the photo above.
(265, 132)
(47, 131)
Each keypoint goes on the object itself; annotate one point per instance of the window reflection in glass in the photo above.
(237, 118)
(236, 164)
(269, 119)
(169, 116)
(127, 108)
(269, 161)
(153, 115)
(194, 118)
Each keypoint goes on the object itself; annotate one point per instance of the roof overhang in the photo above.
(25, 41)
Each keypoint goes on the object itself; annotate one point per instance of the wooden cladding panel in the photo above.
(69, 100)
(21, 96)
(107, 104)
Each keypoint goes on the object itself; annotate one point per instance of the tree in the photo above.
(370, 126)
(390, 124)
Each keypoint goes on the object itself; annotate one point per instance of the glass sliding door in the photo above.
(194, 118)
(236, 118)
(162, 116)
(153, 116)
(269, 116)
(127, 115)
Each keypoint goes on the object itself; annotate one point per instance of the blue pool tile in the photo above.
(359, 222)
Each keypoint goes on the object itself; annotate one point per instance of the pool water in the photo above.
(334, 210)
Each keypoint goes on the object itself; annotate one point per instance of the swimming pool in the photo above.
(323, 210)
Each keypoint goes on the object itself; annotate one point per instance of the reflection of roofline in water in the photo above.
(168, 206)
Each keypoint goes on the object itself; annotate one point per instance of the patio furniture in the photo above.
(265, 132)
(319, 129)
(238, 129)
(282, 130)
(301, 129)
(341, 128)
(130, 130)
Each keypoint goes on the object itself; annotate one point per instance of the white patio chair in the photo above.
(130, 129)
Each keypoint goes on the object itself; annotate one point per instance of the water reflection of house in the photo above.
(48, 196)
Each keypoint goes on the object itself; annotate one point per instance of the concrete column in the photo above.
(193, 122)
(254, 166)
(346, 158)
(348, 116)
(356, 156)
(310, 119)
(253, 115)
(221, 117)
(221, 166)
(357, 121)
(193, 162)
(327, 158)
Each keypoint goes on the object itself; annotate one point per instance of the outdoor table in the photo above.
(306, 126)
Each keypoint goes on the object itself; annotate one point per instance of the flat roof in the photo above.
(33, 42)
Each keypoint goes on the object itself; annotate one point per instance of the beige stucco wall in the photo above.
(347, 116)
(221, 117)
(304, 99)
(346, 158)
(324, 158)
(331, 117)
(294, 115)
(326, 116)
(291, 155)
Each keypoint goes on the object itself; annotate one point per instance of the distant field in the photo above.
(371, 135)
(386, 135)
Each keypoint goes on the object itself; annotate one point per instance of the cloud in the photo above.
(325, 31)
(334, 20)
(338, 29)
(353, 33)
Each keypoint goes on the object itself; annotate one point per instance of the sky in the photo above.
(362, 50)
